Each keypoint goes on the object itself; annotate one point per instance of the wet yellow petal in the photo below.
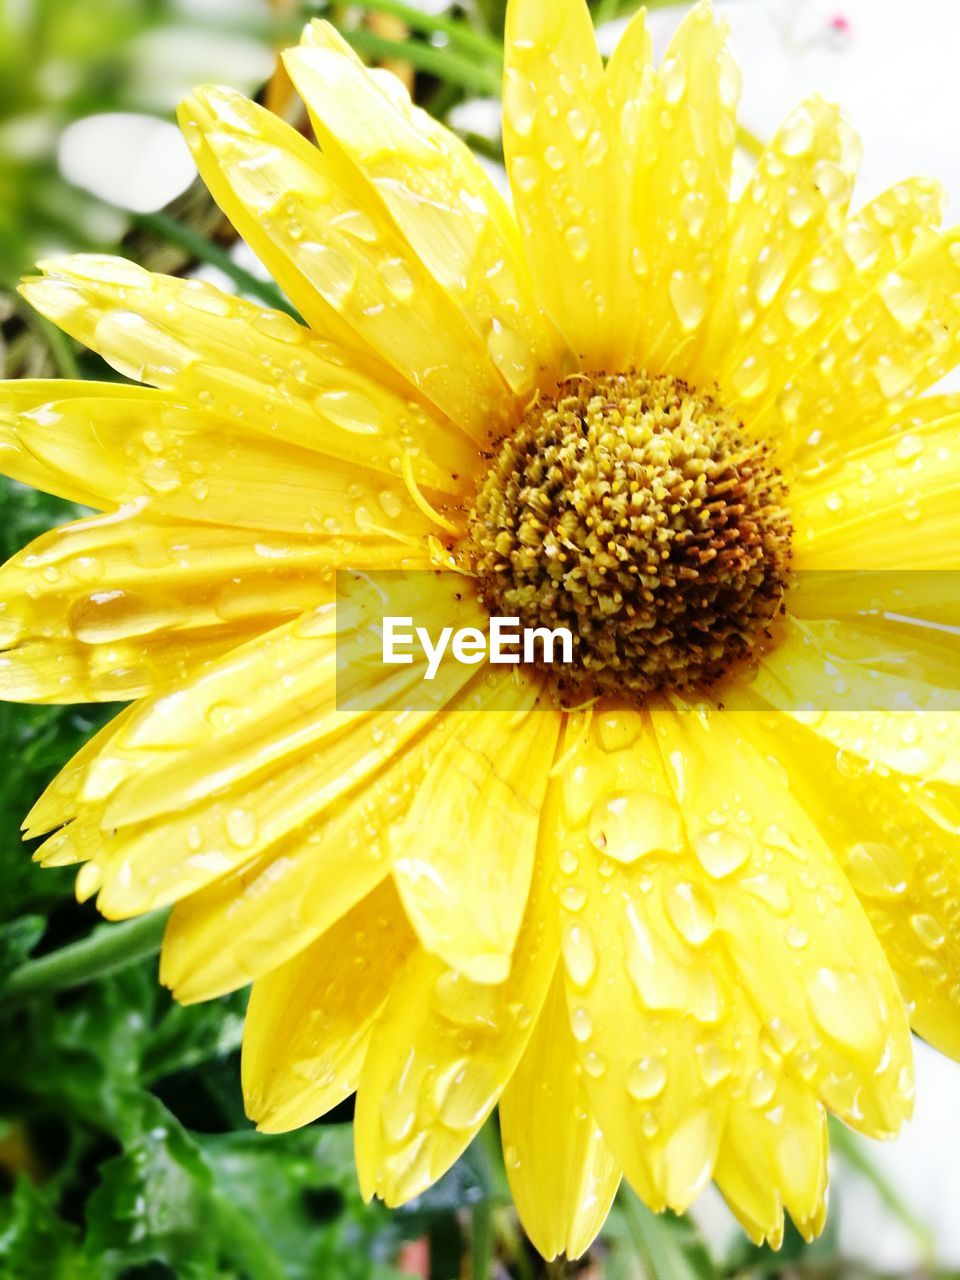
(18, 462)
(797, 196)
(773, 1156)
(889, 505)
(631, 86)
(121, 605)
(896, 719)
(58, 803)
(685, 135)
(801, 948)
(642, 1000)
(438, 196)
(442, 1053)
(162, 760)
(561, 1173)
(558, 145)
(248, 922)
(254, 369)
(464, 857)
(189, 465)
(870, 321)
(898, 842)
(335, 250)
(628, 71)
(200, 781)
(308, 1022)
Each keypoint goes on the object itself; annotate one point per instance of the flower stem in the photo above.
(481, 1243)
(203, 250)
(476, 77)
(850, 1150)
(106, 950)
(460, 34)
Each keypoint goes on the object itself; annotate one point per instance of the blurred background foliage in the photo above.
(124, 1151)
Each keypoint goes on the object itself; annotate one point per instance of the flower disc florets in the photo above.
(634, 511)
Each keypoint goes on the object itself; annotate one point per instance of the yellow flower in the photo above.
(666, 936)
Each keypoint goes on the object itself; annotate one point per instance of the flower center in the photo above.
(634, 511)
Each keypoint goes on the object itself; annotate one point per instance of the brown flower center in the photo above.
(635, 511)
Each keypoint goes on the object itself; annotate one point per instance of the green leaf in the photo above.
(17, 940)
(152, 1202)
(35, 1244)
(668, 1246)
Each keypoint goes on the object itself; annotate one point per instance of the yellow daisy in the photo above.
(667, 931)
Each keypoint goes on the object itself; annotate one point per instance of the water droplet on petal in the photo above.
(646, 1079)
(721, 852)
(579, 955)
(632, 825)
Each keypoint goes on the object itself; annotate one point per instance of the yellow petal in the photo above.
(338, 255)
(889, 505)
(680, 206)
(438, 196)
(245, 924)
(628, 70)
(17, 461)
(442, 1053)
(630, 84)
(899, 844)
(122, 605)
(800, 945)
(897, 720)
(796, 197)
(201, 781)
(558, 143)
(58, 803)
(244, 365)
(642, 999)
(464, 857)
(166, 757)
(774, 1155)
(308, 1022)
(561, 1173)
(870, 322)
(191, 466)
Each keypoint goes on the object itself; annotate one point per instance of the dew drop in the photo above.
(581, 1024)
(350, 410)
(397, 278)
(691, 913)
(846, 1008)
(646, 1079)
(689, 299)
(634, 824)
(579, 955)
(721, 852)
(877, 870)
(241, 828)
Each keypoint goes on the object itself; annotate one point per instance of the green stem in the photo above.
(203, 250)
(460, 35)
(104, 951)
(850, 1150)
(647, 1236)
(478, 78)
(481, 1242)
